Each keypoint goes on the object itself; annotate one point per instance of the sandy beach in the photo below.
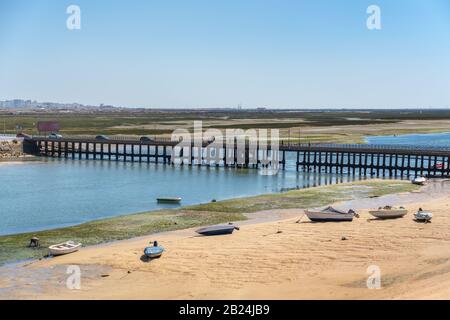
(275, 258)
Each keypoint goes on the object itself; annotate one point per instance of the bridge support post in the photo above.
(164, 154)
(422, 166)
(390, 165)
(447, 166)
(435, 162)
(396, 167)
(408, 168)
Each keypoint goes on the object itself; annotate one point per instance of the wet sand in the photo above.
(273, 257)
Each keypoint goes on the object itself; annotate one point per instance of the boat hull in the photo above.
(325, 217)
(423, 216)
(168, 200)
(216, 230)
(153, 252)
(388, 214)
(56, 251)
(419, 181)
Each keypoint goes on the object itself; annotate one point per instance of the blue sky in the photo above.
(221, 53)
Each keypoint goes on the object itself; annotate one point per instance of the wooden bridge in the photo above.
(358, 159)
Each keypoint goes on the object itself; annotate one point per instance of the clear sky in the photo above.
(221, 53)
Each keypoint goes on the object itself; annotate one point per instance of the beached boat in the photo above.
(64, 248)
(389, 212)
(153, 252)
(423, 216)
(330, 214)
(169, 200)
(217, 230)
(419, 180)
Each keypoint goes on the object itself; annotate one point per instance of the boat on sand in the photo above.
(217, 230)
(330, 214)
(423, 216)
(389, 212)
(64, 248)
(419, 180)
(154, 251)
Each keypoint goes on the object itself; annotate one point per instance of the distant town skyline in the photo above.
(25, 104)
(221, 54)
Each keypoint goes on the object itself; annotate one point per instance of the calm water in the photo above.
(432, 139)
(55, 193)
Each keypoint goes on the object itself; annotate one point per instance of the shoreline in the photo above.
(146, 223)
(310, 259)
(16, 160)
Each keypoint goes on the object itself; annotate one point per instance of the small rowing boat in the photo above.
(423, 216)
(419, 180)
(154, 251)
(388, 212)
(217, 230)
(168, 200)
(64, 248)
(330, 214)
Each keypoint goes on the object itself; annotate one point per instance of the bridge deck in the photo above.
(282, 145)
(351, 158)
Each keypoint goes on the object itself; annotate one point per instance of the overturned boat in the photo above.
(330, 214)
(217, 230)
(64, 248)
(389, 212)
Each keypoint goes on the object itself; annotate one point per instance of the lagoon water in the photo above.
(426, 139)
(55, 193)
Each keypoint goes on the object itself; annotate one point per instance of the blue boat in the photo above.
(153, 252)
(217, 230)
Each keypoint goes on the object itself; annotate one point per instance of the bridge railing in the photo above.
(282, 143)
(355, 146)
(93, 137)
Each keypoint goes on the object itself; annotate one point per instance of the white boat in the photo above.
(389, 212)
(423, 216)
(64, 248)
(419, 180)
(330, 214)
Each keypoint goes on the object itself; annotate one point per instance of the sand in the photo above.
(267, 259)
